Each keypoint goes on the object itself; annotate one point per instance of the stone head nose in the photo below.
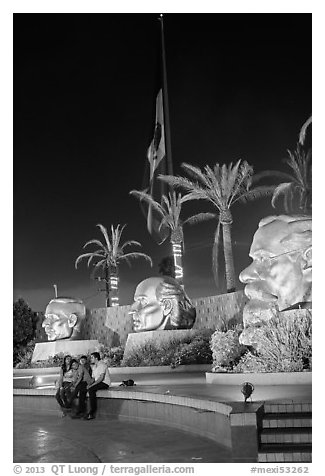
(47, 321)
(249, 274)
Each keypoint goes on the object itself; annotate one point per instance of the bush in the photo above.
(284, 345)
(198, 351)
(251, 363)
(24, 320)
(226, 349)
(23, 355)
(190, 350)
(112, 356)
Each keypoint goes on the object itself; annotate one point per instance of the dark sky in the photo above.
(84, 94)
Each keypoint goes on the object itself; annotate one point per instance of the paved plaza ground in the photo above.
(48, 438)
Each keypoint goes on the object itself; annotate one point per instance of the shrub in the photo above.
(251, 363)
(151, 354)
(226, 349)
(112, 356)
(23, 355)
(24, 320)
(198, 351)
(193, 349)
(285, 344)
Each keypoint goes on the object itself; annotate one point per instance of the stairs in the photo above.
(285, 433)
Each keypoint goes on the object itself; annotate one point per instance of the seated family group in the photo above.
(77, 379)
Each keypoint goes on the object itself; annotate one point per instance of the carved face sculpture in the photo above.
(280, 275)
(63, 317)
(161, 303)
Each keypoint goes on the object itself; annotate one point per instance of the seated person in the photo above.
(82, 381)
(101, 381)
(67, 376)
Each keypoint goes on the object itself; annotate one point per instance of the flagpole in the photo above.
(165, 100)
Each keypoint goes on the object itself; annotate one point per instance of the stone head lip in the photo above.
(253, 291)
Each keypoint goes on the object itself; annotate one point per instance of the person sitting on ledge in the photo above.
(63, 382)
(161, 304)
(101, 381)
(84, 379)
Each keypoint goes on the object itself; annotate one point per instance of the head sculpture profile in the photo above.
(63, 319)
(161, 304)
(280, 276)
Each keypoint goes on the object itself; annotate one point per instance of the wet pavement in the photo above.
(49, 438)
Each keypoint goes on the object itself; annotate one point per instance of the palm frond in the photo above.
(179, 182)
(199, 218)
(196, 173)
(148, 199)
(116, 238)
(101, 264)
(104, 232)
(271, 174)
(130, 243)
(94, 242)
(302, 134)
(136, 255)
(281, 189)
(81, 257)
(196, 195)
(255, 193)
(241, 181)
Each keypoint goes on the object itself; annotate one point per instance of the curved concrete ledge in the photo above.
(121, 393)
(163, 369)
(280, 378)
(210, 419)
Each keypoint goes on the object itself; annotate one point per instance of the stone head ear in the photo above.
(307, 258)
(72, 321)
(167, 306)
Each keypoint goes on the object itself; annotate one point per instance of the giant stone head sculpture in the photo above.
(161, 304)
(280, 276)
(63, 319)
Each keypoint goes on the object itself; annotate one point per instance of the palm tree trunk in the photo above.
(113, 284)
(107, 287)
(178, 260)
(229, 259)
(215, 256)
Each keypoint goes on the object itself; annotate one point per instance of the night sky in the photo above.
(84, 94)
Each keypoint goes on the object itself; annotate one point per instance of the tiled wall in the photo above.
(211, 310)
(111, 326)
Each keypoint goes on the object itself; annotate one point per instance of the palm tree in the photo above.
(296, 187)
(108, 256)
(223, 186)
(298, 184)
(169, 211)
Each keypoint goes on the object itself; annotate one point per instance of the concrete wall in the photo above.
(111, 326)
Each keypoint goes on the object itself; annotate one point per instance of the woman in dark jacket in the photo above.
(62, 383)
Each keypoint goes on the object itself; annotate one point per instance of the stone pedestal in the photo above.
(44, 350)
(138, 339)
